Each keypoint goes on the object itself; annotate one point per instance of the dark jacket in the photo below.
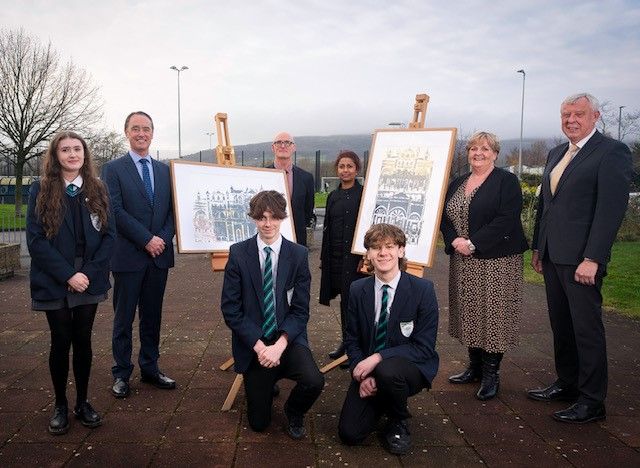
(495, 228)
(350, 261)
(137, 220)
(582, 218)
(414, 311)
(52, 260)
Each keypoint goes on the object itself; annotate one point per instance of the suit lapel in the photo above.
(554, 159)
(68, 217)
(369, 308)
(253, 262)
(400, 298)
(135, 176)
(583, 154)
(284, 264)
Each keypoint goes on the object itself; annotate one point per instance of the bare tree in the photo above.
(535, 155)
(610, 121)
(39, 96)
(106, 145)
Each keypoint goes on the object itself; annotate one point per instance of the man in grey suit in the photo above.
(584, 196)
(140, 193)
(300, 182)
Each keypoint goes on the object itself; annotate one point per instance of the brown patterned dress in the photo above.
(485, 295)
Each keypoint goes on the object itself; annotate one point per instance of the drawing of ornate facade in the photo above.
(404, 179)
(222, 215)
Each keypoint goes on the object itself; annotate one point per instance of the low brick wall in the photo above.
(9, 259)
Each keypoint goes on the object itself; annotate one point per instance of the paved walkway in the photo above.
(185, 427)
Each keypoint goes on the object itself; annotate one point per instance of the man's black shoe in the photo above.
(580, 413)
(339, 351)
(59, 422)
(553, 392)
(295, 423)
(87, 415)
(159, 381)
(120, 388)
(397, 439)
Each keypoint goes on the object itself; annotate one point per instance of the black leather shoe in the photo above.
(120, 388)
(580, 413)
(339, 351)
(87, 415)
(553, 392)
(473, 372)
(397, 439)
(295, 424)
(159, 381)
(59, 422)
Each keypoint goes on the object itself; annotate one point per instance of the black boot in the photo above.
(473, 372)
(339, 351)
(490, 376)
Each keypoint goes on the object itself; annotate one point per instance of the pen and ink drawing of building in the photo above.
(221, 215)
(402, 187)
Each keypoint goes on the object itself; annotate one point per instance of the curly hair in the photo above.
(378, 234)
(50, 204)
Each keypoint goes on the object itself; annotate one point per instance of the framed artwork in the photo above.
(211, 203)
(406, 183)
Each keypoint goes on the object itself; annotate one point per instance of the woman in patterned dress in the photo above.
(339, 265)
(484, 238)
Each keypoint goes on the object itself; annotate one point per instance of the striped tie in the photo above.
(269, 324)
(72, 190)
(146, 178)
(381, 329)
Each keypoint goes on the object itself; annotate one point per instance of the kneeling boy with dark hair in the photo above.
(392, 323)
(265, 303)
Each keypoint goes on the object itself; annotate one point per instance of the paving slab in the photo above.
(185, 426)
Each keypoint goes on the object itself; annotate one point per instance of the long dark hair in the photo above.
(50, 204)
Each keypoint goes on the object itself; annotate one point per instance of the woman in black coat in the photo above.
(339, 265)
(70, 235)
(484, 238)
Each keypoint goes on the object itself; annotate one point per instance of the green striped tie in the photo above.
(269, 324)
(381, 329)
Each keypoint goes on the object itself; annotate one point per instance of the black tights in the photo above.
(71, 327)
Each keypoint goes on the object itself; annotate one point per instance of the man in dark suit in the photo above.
(584, 195)
(140, 192)
(390, 339)
(300, 182)
(265, 303)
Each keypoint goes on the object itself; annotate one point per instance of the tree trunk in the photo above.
(19, 169)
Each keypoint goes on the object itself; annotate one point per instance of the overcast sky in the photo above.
(340, 67)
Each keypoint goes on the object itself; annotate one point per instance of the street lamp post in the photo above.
(620, 122)
(521, 125)
(183, 68)
(210, 135)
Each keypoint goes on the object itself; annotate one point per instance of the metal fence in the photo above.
(11, 228)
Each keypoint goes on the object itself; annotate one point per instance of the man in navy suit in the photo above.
(265, 303)
(140, 192)
(584, 196)
(300, 182)
(390, 339)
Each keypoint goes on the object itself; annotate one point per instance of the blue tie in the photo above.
(381, 329)
(269, 324)
(146, 179)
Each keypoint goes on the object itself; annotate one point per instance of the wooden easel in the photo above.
(225, 156)
(419, 115)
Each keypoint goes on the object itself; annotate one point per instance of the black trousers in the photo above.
(71, 327)
(297, 364)
(575, 313)
(143, 290)
(396, 379)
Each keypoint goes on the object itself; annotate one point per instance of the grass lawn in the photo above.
(621, 288)
(321, 199)
(7, 217)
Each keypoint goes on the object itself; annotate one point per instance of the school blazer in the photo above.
(242, 299)
(411, 329)
(52, 260)
(494, 221)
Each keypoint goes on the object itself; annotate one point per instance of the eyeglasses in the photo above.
(285, 143)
